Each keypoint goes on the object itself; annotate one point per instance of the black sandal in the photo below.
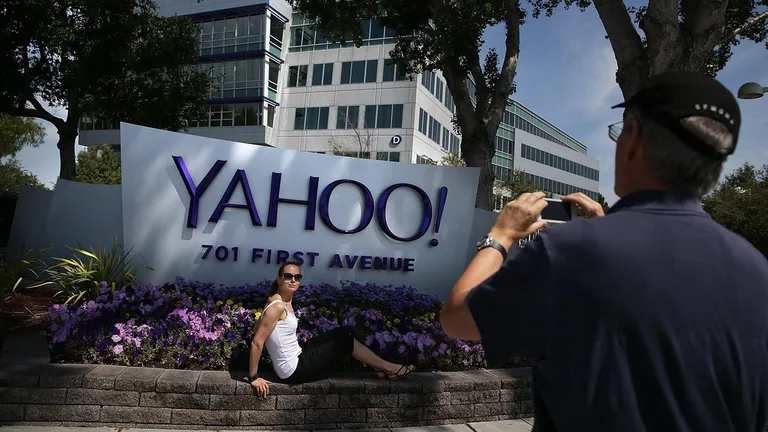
(398, 375)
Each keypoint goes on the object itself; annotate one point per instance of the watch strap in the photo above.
(490, 242)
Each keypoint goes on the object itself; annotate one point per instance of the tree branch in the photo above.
(455, 79)
(38, 111)
(703, 29)
(43, 114)
(627, 46)
(662, 30)
(506, 80)
(481, 86)
(732, 35)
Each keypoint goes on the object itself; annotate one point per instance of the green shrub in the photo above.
(78, 277)
(28, 265)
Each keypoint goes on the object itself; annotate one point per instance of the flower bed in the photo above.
(194, 325)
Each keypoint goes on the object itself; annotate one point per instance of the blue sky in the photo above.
(567, 75)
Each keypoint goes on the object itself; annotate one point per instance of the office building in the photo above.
(280, 83)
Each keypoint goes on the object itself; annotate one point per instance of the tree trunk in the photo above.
(480, 155)
(66, 147)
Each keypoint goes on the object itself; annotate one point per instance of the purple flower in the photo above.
(196, 324)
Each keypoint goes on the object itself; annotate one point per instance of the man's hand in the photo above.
(518, 219)
(262, 387)
(591, 207)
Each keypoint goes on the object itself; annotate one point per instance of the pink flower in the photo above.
(118, 349)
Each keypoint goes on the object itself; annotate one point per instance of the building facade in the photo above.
(280, 83)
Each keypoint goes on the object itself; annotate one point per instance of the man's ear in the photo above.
(634, 145)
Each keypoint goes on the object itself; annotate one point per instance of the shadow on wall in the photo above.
(7, 208)
(74, 213)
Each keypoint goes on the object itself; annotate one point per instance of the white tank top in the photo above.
(283, 344)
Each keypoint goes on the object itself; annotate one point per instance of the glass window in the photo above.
(312, 118)
(358, 72)
(253, 115)
(341, 117)
(322, 74)
(297, 76)
(270, 115)
(384, 117)
(276, 28)
(377, 31)
(323, 124)
(317, 74)
(370, 116)
(382, 156)
(298, 122)
(302, 76)
(346, 72)
(389, 71)
(240, 115)
(353, 116)
(371, 73)
(397, 116)
(328, 74)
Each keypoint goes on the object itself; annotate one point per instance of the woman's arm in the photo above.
(265, 327)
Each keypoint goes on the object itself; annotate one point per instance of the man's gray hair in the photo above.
(675, 164)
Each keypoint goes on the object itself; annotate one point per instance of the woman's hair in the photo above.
(273, 288)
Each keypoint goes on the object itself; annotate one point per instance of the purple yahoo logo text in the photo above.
(371, 206)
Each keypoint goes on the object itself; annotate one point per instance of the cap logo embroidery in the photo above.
(715, 109)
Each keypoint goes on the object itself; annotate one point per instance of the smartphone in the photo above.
(557, 211)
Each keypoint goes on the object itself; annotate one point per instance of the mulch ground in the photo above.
(25, 310)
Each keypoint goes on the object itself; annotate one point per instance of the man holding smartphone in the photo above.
(651, 318)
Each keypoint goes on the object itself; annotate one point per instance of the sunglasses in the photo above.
(290, 276)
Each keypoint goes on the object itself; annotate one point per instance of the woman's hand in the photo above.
(262, 387)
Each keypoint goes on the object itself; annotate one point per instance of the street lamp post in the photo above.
(751, 90)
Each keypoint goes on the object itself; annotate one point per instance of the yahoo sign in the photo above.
(231, 213)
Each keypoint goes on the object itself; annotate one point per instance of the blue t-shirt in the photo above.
(652, 318)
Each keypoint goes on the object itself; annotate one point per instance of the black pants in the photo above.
(321, 354)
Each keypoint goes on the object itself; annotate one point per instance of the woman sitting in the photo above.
(316, 359)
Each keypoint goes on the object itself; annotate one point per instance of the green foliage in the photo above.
(27, 265)
(13, 176)
(98, 165)
(79, 276)
(445, 36)
(17, 133)
(451, 159)
(740, 204)
(600, 200)
(517, 185)
(117, 60)
(697, 35)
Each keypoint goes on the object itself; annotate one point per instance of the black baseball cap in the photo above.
(669, 97)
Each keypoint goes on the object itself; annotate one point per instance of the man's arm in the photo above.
(484, 303)
(455, 315)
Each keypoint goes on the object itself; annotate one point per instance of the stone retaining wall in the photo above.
(118, 396)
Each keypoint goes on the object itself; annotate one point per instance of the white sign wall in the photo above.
(226, 212)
